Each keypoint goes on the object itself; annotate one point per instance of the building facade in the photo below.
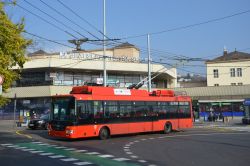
(229, 69)
(45, 75)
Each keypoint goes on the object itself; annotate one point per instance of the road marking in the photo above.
(56, 156)
(12, 146)
(129, 152)
(18, 132)
(105, 155)
(69, 159)
(81, 151)
(46, 154)
(161, 137)
(82, 163)
(6, 144)
(91, 153)
(68, 156)
(42, 144)
(20, 148)
(70, 149)
(27, 149)
(36, 142)
(142, 161)
(121, 159)
(135, 157)
(60, 147)
(36, 151)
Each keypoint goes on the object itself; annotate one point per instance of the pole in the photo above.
(15, 111)
(104, 45)
(149, 65)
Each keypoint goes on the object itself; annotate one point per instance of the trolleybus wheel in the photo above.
(104, 133)
(167, 128)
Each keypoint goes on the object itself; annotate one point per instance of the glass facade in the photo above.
(224, 108)
(34, 78)
(80, 78)
(26, 108)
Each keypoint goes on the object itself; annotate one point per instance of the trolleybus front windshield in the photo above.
(63, 109)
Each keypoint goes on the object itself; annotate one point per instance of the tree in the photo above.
(12, 49)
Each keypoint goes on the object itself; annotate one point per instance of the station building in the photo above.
(228, 85)
(48, 74)
(229, 69)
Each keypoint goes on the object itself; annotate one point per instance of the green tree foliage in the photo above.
(12, 49)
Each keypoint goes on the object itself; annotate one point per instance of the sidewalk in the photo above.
(233, 124)
(235, 121)
(9, 126)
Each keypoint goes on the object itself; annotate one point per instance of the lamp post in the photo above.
(104, 45)
(149, 64)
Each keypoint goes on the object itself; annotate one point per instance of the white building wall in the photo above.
(225, 75)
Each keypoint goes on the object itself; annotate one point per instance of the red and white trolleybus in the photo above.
(90, 111)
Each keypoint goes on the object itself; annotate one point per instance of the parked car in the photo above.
(40, 123)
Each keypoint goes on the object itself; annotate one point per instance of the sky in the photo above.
(126, 19)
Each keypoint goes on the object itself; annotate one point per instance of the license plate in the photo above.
(31, 124)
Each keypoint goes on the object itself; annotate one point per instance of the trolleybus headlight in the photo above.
(69, 132)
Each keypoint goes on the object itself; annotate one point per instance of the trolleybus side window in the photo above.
(163, 107)
(98, 109)
(111, 109)
(141, 109)
(125, 108)
(172, 110)
(84, 110)
(153, 108)
(184, 110)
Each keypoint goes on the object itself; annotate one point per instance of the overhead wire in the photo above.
(72, 11)
(54, 18)
(43, 38)
(54, 25)
(190, 25)
(94, 27)
(83, 19)
(180, 68)
(120, 42)
(73, 22)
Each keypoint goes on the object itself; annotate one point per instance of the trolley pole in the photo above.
(149, 65)
(104, 45)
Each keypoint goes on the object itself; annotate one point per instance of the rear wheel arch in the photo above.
(104, 132)
(168, 127)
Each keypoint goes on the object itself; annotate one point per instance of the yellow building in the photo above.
(229, 69)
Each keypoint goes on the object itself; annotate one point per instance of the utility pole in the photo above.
(14, 111)
(104, 45)
(149, 65)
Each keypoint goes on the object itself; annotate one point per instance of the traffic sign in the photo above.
(1, 79)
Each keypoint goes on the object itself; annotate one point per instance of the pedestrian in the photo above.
(194, 116)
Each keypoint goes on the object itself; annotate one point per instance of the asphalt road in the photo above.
(192, 147)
